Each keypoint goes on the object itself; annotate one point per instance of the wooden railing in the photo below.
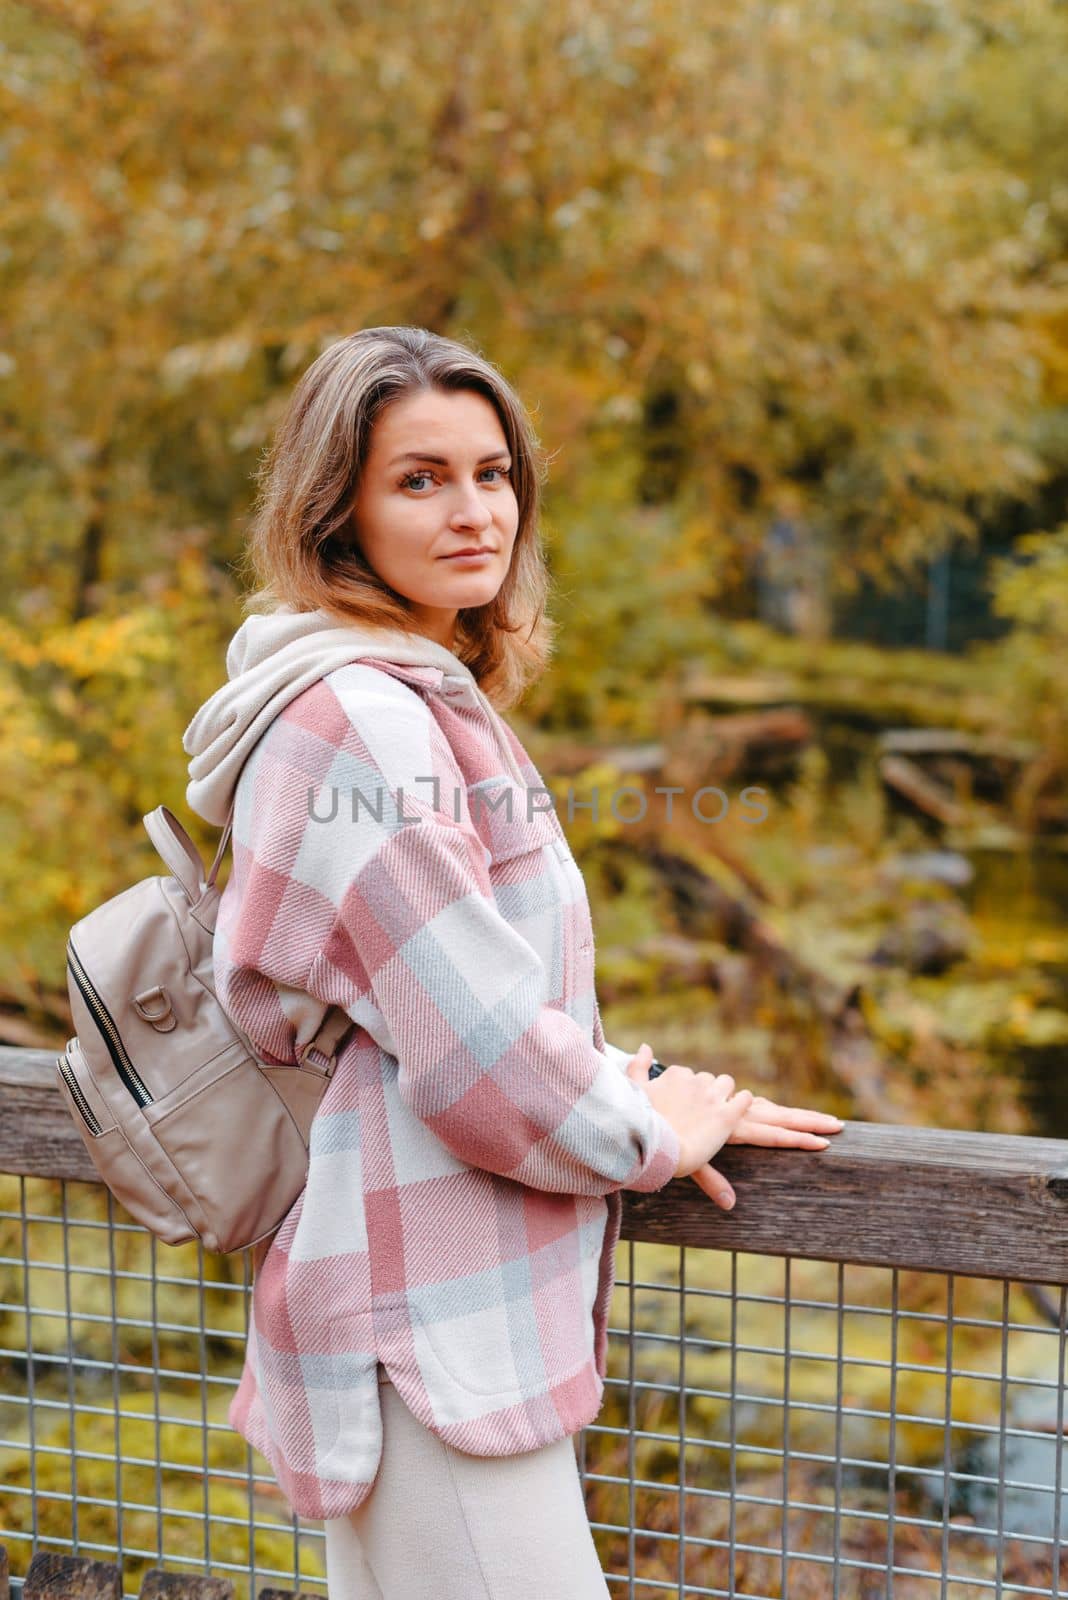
(978, 1204)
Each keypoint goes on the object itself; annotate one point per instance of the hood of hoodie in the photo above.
(271, 659)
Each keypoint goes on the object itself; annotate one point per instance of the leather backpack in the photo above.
(195, 1134)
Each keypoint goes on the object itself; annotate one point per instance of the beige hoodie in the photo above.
(273, 658)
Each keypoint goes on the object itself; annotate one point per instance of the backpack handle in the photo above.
(180, 854)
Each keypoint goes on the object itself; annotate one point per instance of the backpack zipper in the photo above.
(116, 1049)
(79, 1099)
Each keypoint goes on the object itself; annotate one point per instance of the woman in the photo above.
(429, 1324)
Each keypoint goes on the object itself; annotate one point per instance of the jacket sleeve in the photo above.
(506, 1081)
(618, 1057)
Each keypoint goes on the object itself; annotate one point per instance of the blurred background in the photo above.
(785, 290)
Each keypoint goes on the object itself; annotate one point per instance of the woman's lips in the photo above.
(475, 558)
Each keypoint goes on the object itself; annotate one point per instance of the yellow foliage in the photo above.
(91, 722)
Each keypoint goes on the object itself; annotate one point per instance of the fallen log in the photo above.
(565, 758)
(914, 785)
(708, 909)
(955, 742)
(701, 750)
(747, 744)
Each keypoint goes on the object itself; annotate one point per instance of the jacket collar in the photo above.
(273, 657)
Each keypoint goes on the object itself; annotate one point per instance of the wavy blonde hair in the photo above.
(301, 549)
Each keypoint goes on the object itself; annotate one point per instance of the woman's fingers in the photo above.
(772, 1136)
(637, 1068)
(765, 1110)
(785, 1127)
(748, 1129)
(706, 1177)
(715, 1185)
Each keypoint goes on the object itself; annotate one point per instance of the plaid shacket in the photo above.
(462, 1208)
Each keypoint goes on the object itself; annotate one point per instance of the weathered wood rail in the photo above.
(932, 1199)
(60, 1577)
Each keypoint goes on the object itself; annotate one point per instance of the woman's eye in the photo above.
(411, 480)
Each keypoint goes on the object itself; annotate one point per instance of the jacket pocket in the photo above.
(498, 811)
(473, 1349)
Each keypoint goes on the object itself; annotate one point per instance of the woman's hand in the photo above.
(763, 1122)
(703, 1108)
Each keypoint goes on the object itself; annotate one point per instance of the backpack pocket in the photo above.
(135, 1188)
(75, 1079)
(117, 1162)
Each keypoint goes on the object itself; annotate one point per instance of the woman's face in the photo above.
(437, 480)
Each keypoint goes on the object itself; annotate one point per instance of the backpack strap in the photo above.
(181, 855)
(336, 1024)
(319, 1055)
(228, 828)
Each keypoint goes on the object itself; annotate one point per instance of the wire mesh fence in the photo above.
(830, 1430)
(772, 1426)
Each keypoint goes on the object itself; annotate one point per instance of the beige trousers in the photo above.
(443, 1525)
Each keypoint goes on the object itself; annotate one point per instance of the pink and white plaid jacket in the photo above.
(462, 1208)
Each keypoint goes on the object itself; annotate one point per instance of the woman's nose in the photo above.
(472, 510)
